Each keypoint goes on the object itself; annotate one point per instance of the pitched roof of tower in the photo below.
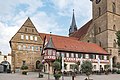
(50, 44)
(73, 24)
(82, 31)
(68, 44)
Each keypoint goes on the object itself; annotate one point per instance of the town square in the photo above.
(60, 40)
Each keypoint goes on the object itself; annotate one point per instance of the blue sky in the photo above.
(47, 15)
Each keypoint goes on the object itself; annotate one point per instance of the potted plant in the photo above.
(24, 69)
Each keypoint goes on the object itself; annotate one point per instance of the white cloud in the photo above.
(45, 23)
(11, 19)
(6, 34)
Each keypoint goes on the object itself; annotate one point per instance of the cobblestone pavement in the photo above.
(34, 76)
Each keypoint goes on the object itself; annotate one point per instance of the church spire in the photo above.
(73, 26)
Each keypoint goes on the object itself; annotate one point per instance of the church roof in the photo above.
(63, 43)
(82, 31)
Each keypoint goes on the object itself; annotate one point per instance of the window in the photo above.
(27, 37)
(114, 27)
(67, 54)
(24, 47)
(28, 47)
(24, 62)
(35, 38)
(32, 30)
(94, 67)
(99, 30)
(32, 48)
(49, 52)
(36, 48)
(76, 55)
(114, 7)
(91, 56)
(88, 41)
(107, 57)
(99, 13)
(84, 56)
(114, 43)
(19, 47)
(22, 36)
(101, 57)
(40, 49)
(25, 29)
(71, 66)
(72, 55)
(53, 53)
(31, 37)
(79, 55)
(100, 43)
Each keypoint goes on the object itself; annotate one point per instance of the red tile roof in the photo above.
(82, 31)
(68, 44)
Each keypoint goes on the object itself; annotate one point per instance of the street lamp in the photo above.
(62, 66)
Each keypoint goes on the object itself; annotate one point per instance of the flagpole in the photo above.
(98, 63)
(111, 64)
(62, 66)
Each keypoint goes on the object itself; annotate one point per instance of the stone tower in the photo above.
(106, 21)
(25, 47)
(73, 26)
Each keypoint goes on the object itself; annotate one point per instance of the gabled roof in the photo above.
(82, 31)
(68, 44)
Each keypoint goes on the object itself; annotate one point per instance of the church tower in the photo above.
(106, 22)
(73, 26)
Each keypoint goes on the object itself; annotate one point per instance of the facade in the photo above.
(102, 27)
(25, 47)
(73, 51)
(5, 63)
(82, 44)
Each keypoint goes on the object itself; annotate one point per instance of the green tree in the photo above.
(40, 66)
(86, 67)
(118, 38)
(57, 70)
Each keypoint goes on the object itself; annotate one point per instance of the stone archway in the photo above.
(114, 60)
(37, 63)
(6, 66)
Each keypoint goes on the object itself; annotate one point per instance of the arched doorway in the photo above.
(114, 60)
(37, 63)
(6, 66)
